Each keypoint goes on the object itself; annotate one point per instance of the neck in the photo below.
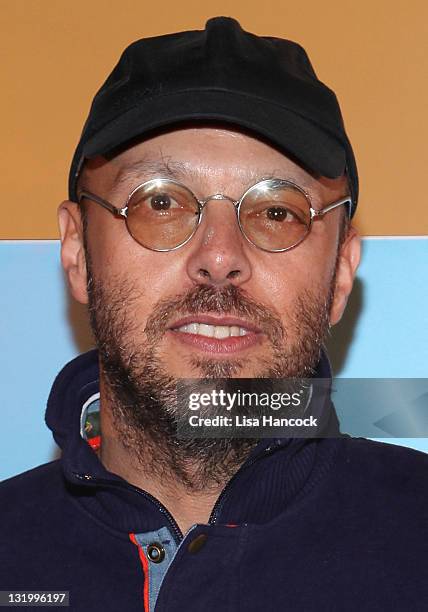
(187, 488)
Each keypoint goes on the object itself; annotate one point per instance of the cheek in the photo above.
(117, 256)
(282, 277)
(146, 276)
(107, 237)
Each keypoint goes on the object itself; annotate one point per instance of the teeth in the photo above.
(206, 330)
(221, 331)
(213, 331)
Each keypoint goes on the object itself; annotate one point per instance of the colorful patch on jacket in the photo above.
(90, 421)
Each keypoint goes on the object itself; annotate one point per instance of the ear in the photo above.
(349, 258)
(72, 249)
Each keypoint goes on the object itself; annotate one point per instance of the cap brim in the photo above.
(313, 146)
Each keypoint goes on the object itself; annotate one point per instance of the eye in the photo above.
(279, 213)
(162, 201)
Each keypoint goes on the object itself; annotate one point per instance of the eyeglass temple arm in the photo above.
(323, 211)
(120, 212)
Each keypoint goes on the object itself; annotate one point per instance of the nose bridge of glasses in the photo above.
(218, 196)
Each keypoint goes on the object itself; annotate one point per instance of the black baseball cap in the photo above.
(222, 73)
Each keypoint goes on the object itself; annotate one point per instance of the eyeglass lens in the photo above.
(273, 215)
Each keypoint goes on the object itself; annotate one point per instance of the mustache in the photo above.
(207, 299)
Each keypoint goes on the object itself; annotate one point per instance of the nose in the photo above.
(218, 253)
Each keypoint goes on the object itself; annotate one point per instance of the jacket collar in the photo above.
(276, 468)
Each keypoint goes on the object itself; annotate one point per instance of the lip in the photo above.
(213, 320)
(229, 345)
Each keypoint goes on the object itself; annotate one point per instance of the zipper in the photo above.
(226, 490)
(173, 524)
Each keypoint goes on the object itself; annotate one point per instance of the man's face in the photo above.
(218, 279)
(138, 298)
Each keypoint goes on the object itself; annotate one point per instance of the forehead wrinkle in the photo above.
(149, 167)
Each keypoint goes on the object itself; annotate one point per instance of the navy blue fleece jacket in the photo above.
(318, 524)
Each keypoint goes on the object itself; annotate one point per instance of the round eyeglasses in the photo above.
(162, 214)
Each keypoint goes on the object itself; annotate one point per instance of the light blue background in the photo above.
(384, 334)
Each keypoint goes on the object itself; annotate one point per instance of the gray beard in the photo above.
(142, 395)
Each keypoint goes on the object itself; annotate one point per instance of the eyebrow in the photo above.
(151, 166)
(166, 167)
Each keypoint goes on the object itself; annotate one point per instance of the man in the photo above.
(208, 230)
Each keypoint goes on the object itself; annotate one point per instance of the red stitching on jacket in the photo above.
(145, 565)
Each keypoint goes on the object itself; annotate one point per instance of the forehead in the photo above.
(221, 155)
